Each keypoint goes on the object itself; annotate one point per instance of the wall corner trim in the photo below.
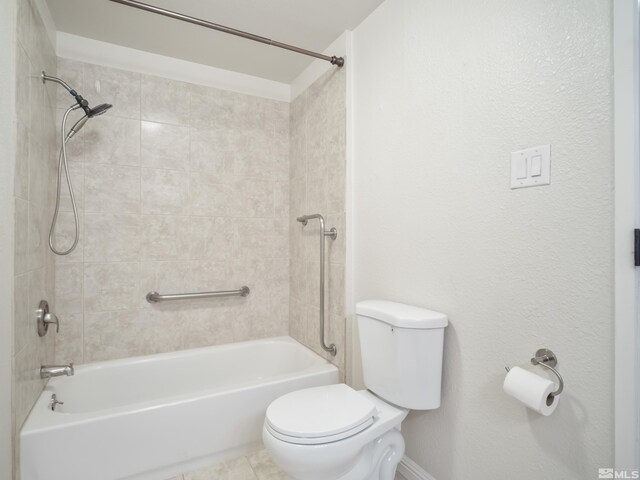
(627, 186)
(410, 470)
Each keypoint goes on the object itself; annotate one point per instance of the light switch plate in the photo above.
(531, 167)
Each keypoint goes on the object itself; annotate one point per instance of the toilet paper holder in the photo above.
(547, 359)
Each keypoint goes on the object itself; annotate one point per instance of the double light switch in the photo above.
(531, 167)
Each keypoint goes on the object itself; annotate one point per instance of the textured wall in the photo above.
(34, 189)
(444, 91)
(318, 133)
(181, 188)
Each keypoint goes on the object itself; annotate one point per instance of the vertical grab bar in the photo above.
(333, 233)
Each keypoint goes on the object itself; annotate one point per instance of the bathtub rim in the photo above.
(42, 419)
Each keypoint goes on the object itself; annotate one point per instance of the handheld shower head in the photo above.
(99, 110)
(77, 127)
(93, 112)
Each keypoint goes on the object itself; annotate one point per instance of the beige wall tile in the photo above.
(297, 320)
(36, 101)
(336, 249)
(190, 193)
(21, 240)
(75, 146)
(112, 188)
(117, 87)
(112, 237)
(27, 381)
(76, 171)
(255, 159)
(164, 192)
(111, 139)
(39, 174)
(317, 185)
(165, 100)
(204, 327)
(38, 233)
(165, 146)
(24, 325)
(216, 150)
(64, 236)
(166, 237)
(111, 286)
(213, 108)
(110, 335)
(256, 198)
(281, 199)
(166, 277)
(258, 238)
(23, 23)
(21, 182)
(212, 195)
(312, 272)
(208, 275)
(23, 72)
(70, 339)
(72, 71)
(317, 191)
(68, 288)
(34, 196)
(335, 288)
(336, 188)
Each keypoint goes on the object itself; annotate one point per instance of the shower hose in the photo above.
(62, 164)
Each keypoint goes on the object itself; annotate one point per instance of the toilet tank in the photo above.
(401, 349)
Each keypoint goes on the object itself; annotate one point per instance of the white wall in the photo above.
(7, 146)
(443, 92)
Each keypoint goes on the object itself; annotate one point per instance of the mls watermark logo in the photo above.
(613, 473)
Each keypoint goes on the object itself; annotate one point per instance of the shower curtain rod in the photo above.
(339, 61)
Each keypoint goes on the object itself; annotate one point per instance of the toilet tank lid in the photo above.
(401, 315)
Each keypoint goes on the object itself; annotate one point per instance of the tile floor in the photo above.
(254, 466)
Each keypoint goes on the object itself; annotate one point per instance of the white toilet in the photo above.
(336, 433)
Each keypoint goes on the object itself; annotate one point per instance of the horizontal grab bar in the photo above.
(154, 297)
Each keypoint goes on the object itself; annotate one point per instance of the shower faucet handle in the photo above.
(45, 318)
(50, 318)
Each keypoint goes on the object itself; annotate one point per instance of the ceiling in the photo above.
(310, 24)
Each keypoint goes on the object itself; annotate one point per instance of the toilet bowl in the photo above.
(334, 432)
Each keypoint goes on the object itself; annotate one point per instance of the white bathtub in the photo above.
(148, 418)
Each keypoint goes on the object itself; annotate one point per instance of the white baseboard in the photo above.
(410, 470)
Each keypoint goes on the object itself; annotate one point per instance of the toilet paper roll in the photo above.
(532, 390)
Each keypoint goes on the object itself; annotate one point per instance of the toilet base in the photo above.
(390, 448)
(377, 460)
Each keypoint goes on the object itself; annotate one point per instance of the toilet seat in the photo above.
(319, 415)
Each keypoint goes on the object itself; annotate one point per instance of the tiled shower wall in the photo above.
(317, 176)
(181, 188)
(33, 192)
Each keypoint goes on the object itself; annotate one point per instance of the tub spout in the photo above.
(48, 371)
